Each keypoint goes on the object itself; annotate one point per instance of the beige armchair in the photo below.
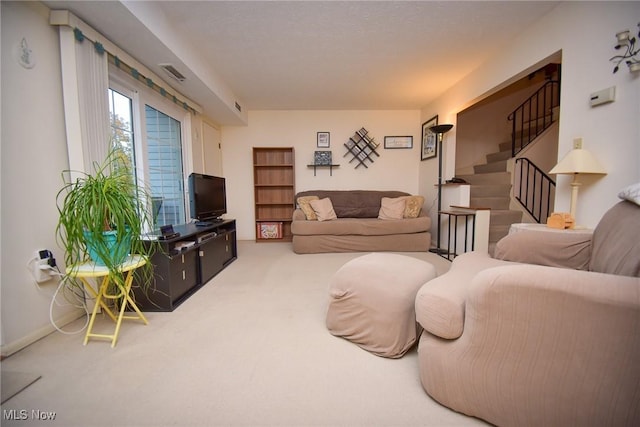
(516, 342)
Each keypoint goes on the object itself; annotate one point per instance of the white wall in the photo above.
(33, 157)
(585, 33)
(395, 169)
(205, 150)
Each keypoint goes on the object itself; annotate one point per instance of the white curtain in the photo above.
(85, 85)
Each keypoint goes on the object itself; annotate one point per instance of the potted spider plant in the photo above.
(102, 216)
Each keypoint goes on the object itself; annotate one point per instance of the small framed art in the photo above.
(269, 230)
(429, 146)
(398, 142)
(324, 140)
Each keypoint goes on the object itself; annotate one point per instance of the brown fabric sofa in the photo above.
(516, 342)
(357, 227)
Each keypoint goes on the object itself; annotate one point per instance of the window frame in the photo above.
(140, 96)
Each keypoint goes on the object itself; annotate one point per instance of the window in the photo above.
(151, 134)
(121, 117)
(165, 171)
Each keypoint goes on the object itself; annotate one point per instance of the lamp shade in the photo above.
(441, 128)
(578, 161)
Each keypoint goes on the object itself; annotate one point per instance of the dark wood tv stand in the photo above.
(185, 263)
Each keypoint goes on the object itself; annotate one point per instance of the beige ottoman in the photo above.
(372, 302)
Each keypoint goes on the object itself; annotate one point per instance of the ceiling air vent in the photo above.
(171, 70)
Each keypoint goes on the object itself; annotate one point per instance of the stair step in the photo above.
(490, 190)
(498, 232)
(549, 116)
(530, 132)
(500, 155)
(505, 146)
(500, 166)
(500, 203)
(495, 178)
(500, 223)
(504, 217)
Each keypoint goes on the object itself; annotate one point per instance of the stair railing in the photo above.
(534, 189)
(534, 116)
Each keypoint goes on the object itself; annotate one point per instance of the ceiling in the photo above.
(310, 55)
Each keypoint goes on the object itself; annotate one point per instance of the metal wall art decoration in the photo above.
(627, 44)
(362, 147)
(25, 55)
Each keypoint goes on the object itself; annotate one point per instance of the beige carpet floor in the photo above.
(13, 383)
(248, 349)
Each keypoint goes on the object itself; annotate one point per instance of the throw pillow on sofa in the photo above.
(323, 209)
(413, 206)
(392, 208)
(309, 213)
(631, 193)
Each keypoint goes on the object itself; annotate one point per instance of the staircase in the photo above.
(491, 188)
(491, 182)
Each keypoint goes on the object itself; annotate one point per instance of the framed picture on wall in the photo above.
(398, 142)
(429, 146)
(323, 140)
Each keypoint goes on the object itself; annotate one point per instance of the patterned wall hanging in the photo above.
(322, 158)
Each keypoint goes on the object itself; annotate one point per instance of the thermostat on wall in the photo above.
(603, 96)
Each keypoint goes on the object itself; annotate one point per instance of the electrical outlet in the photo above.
(47, 255)
(40, 270)
(577, 143)
(41, 265)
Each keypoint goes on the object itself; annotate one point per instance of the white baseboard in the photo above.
(10, 348)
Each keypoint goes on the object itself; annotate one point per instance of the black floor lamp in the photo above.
(439, 130)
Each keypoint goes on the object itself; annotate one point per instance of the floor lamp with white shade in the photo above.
(440, 130)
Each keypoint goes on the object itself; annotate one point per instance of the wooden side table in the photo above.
(89, 270)
(467, 216)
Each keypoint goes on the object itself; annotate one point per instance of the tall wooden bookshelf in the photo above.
(274, 192)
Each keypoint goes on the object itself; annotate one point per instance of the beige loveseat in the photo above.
(357, 225)
(521, 343)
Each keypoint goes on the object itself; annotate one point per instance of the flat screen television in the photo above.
(207, 197)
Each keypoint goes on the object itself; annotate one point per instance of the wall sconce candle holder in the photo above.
(628, 43)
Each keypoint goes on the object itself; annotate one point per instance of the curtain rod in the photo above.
(119, 58)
